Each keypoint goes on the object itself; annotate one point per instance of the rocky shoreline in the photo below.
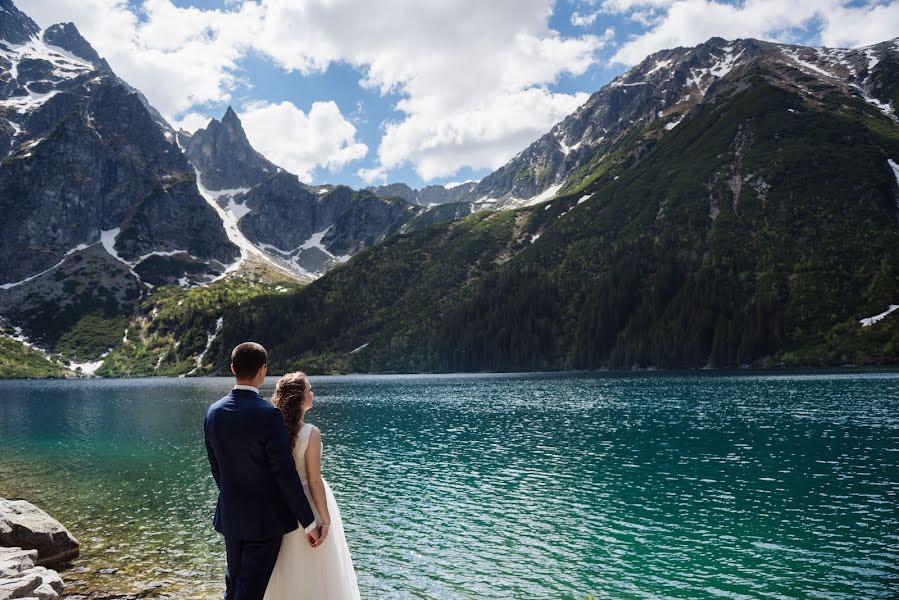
(30, 541)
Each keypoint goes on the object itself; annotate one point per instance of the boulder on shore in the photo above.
(20, 578)
(23, 525)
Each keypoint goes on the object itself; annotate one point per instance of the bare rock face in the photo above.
(15, 26)
(23, 525)
(20, 578)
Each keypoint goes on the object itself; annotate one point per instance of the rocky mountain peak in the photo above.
(224, 156)
(15, 26)
(231, 120)
(67, 37)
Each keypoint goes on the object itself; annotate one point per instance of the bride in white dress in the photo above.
(324, 572)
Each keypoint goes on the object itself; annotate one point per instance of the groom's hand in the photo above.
(313, 537)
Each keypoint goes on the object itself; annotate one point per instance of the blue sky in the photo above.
(418, 91)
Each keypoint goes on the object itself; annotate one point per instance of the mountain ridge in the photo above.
(693, 75)
(612, 246)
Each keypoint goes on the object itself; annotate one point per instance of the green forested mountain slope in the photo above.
(750, 231)
(757, 231)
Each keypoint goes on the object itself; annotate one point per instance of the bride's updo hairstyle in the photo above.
(289, 393)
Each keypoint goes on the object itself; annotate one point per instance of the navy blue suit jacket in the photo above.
(260, 494)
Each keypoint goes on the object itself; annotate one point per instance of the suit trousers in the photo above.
(250, 565)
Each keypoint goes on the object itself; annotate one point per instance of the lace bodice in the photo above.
(299, 450)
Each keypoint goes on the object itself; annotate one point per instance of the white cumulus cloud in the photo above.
(579, 20)
(445, 61)
(181, 58)
(191, 122)
(486, 135)
(835, 23)
(300, 142)
(373, 175)
(461, 69)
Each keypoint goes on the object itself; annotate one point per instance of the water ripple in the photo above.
(537, 486)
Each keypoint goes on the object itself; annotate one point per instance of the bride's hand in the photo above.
(323, 531)
(313, 537)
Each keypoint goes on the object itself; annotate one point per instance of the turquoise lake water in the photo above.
(637, 485)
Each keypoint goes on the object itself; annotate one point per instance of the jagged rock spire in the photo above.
(224, 156)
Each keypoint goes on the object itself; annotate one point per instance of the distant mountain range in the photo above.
(733, 203)
(428, 196)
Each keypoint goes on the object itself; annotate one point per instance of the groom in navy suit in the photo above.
(260, 494)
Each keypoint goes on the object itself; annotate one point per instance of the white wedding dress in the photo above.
(303, 572)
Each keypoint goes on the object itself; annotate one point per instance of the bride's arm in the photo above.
(314, 473)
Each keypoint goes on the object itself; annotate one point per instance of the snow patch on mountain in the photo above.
(210, 336)
(895, 168)
(662, 64)
(78, 248)
(543, 196)
(867, 322)
(793, 55)
(108, 238)
(885, 107)
(216, 194)
(65, 65)
(727, 63)
(617, 83)
(360, 348)
(673, 124)
(872, 60)
(235, 235)
(313, 243)
(239, 210)
(28, 103)
(700, 78)
(20, 337)
(86, 368)
(144, 257)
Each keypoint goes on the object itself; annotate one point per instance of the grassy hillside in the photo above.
(18, 360)
(174, 326)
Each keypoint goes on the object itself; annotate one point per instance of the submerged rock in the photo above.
(23, 525)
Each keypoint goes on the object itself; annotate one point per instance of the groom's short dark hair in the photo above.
(247, 358)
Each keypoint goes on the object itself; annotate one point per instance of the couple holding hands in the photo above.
(284, 538)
